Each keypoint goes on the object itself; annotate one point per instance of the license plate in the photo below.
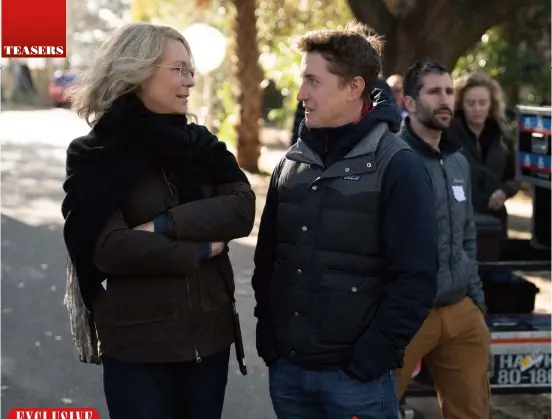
(520, 370)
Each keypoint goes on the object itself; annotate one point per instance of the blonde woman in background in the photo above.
(151, 202)
(480, 125)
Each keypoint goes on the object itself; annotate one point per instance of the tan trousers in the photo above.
(454, 343)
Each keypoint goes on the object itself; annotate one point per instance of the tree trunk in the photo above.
(438, 29)
(249, 76)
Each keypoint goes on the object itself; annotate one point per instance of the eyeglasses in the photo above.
(182, 71)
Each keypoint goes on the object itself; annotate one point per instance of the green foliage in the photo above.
(182, 13)
(226, 112)
(281, 64)
(281, 23)
(145, 10)
(279, 20)
(512, 66)
(517, 54)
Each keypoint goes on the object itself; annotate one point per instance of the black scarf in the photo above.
(103, 167)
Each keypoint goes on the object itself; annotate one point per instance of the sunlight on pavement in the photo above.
(543, 300)
(36, 213)
(52, 127)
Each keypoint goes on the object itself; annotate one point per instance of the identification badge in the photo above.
(458, 192)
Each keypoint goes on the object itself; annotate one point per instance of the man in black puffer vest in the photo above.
(346, 259)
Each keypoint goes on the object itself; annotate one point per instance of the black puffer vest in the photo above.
(329, 272)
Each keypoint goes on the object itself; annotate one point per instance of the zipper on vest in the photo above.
(197, 356)
(442, 165)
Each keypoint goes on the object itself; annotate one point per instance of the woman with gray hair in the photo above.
(151, 202)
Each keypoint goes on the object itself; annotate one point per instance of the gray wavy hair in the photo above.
(123, 63)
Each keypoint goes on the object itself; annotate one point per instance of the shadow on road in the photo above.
(39, 367)
(32, 178)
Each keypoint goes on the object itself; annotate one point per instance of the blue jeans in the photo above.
(180, 390)
(304, 394)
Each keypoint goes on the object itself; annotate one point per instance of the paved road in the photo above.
(38, 359)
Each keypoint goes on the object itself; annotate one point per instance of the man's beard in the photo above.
(431, 121)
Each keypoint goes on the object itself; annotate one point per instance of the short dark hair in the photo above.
(352, 52)
(412, 80)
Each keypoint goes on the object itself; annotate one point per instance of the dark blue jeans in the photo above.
(303, 394)
(184, 390)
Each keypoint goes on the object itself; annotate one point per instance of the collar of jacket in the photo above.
(368, 144)
(447, 146)
(490, 135)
